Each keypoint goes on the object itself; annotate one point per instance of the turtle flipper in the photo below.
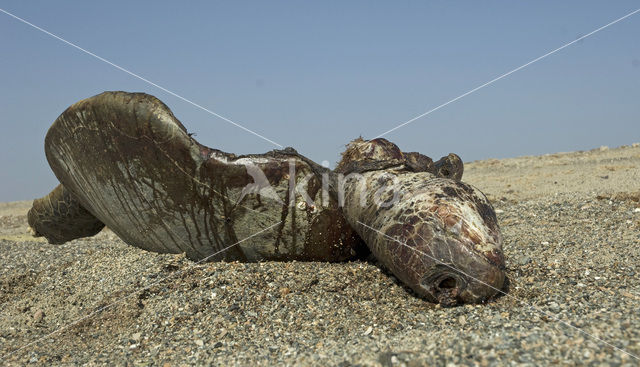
(129, 161)
(59, 217)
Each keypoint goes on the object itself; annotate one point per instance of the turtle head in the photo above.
(458, 243)
(442, 240)
(436, 234)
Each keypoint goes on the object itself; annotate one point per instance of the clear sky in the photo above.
(316, 75)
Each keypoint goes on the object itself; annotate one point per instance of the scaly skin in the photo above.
(439, 236)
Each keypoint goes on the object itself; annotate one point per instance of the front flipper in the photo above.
(132, 164)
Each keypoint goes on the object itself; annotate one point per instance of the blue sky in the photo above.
(316, 75)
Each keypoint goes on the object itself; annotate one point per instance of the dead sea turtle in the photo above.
(124, 161)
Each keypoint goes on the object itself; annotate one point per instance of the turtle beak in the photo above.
(474, 279)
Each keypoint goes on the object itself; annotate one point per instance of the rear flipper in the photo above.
(59, 217)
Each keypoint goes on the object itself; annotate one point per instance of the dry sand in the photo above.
(571, 225)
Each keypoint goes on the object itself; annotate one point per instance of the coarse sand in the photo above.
(571, 226)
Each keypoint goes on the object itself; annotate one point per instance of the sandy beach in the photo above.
(571, 227)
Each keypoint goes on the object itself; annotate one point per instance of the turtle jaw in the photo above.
(472, 278)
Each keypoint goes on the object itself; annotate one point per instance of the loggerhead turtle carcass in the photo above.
(123, 160)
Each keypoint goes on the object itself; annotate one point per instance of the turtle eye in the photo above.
(447, 283)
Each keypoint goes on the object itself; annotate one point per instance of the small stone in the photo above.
(136, 336)
(284, 291)
(199, 342)
(499, 211)
(38, 316)
(544, 243)
(252, 314)
(524, 260)
(636, 210)
(368, 331)
(462, 320)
